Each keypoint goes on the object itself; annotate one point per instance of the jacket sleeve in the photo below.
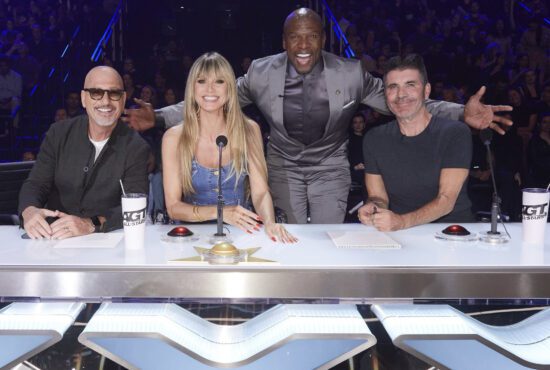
(243, 87)
(373, 94)
(37, 186)
(446, 109)
(172, 114)
(135, 180)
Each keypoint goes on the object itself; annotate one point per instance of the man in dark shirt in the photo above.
(417, 165)
(75, 180)
(308, 97)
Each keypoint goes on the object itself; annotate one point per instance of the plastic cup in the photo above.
(134, 214)
(534, 214)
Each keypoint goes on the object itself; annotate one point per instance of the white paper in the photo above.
(367, 239)
(96, 240)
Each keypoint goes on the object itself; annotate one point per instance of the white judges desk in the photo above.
(311, 269)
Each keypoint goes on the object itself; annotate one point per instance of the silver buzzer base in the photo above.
(498, 238)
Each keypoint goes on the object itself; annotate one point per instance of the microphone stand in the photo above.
(219, 218)
(220, 236)
(493, 236)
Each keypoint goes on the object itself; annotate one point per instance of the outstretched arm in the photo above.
(144, 117)
(480, 116)
(476, 114)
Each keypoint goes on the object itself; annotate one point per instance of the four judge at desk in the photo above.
(305, 177)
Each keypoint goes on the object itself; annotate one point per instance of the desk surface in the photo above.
(313, 268)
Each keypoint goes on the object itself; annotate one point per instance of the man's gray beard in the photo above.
(104, 124)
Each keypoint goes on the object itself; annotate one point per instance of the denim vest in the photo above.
(205, 183)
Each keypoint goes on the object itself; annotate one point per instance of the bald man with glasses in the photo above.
(73, 188)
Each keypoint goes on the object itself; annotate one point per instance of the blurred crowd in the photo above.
(465, 44)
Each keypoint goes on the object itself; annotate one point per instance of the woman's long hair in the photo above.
(242, 142)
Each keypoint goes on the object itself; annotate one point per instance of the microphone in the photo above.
(221, 141)
(220, 236)
(492, 236)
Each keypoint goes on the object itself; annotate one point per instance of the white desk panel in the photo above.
(314, 250)
(312, 268)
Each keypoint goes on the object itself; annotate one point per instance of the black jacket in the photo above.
(65, 177)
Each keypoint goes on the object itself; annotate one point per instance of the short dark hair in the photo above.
(359, 114)
(411, 61)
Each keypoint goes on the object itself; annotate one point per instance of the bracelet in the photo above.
(197, 215)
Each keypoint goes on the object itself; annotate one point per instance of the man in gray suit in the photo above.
(308, 97)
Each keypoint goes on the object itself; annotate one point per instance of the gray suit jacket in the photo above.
(347, 87)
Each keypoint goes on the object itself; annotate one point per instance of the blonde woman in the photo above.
(190, 160)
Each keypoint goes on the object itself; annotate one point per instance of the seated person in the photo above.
(539, 154)
(76, 175)
(417, 164)
(190, 159)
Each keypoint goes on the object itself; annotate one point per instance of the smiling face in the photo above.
(105, 111)
(303, 39)
(210, 92)
(405, 93)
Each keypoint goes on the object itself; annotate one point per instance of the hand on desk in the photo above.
(249, 221)
(366, 212)
(242, 218)
(34, 221)
(278, 232)
(68, 226)
(382, 219)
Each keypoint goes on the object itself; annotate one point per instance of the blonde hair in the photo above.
(243, 143)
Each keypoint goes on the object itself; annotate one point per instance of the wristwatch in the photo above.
(97, 224)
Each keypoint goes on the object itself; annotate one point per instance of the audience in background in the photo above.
(539, 154)
(355, 150)
(465, 44)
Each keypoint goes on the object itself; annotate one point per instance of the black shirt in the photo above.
(410, 166)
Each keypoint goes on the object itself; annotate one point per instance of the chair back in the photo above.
(12, 176)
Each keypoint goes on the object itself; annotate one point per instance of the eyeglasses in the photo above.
(97, 94)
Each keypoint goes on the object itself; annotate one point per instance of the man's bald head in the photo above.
(105, 73)
(103, 96)
(299, 14)
(303, 39)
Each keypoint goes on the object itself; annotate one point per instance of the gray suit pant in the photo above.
(322, 189)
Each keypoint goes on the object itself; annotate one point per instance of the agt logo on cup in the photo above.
(134, 218)
(535, 212)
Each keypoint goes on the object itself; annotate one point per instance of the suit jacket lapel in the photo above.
(276, 86)
(335, 89)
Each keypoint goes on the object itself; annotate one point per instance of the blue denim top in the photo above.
(205, 183)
